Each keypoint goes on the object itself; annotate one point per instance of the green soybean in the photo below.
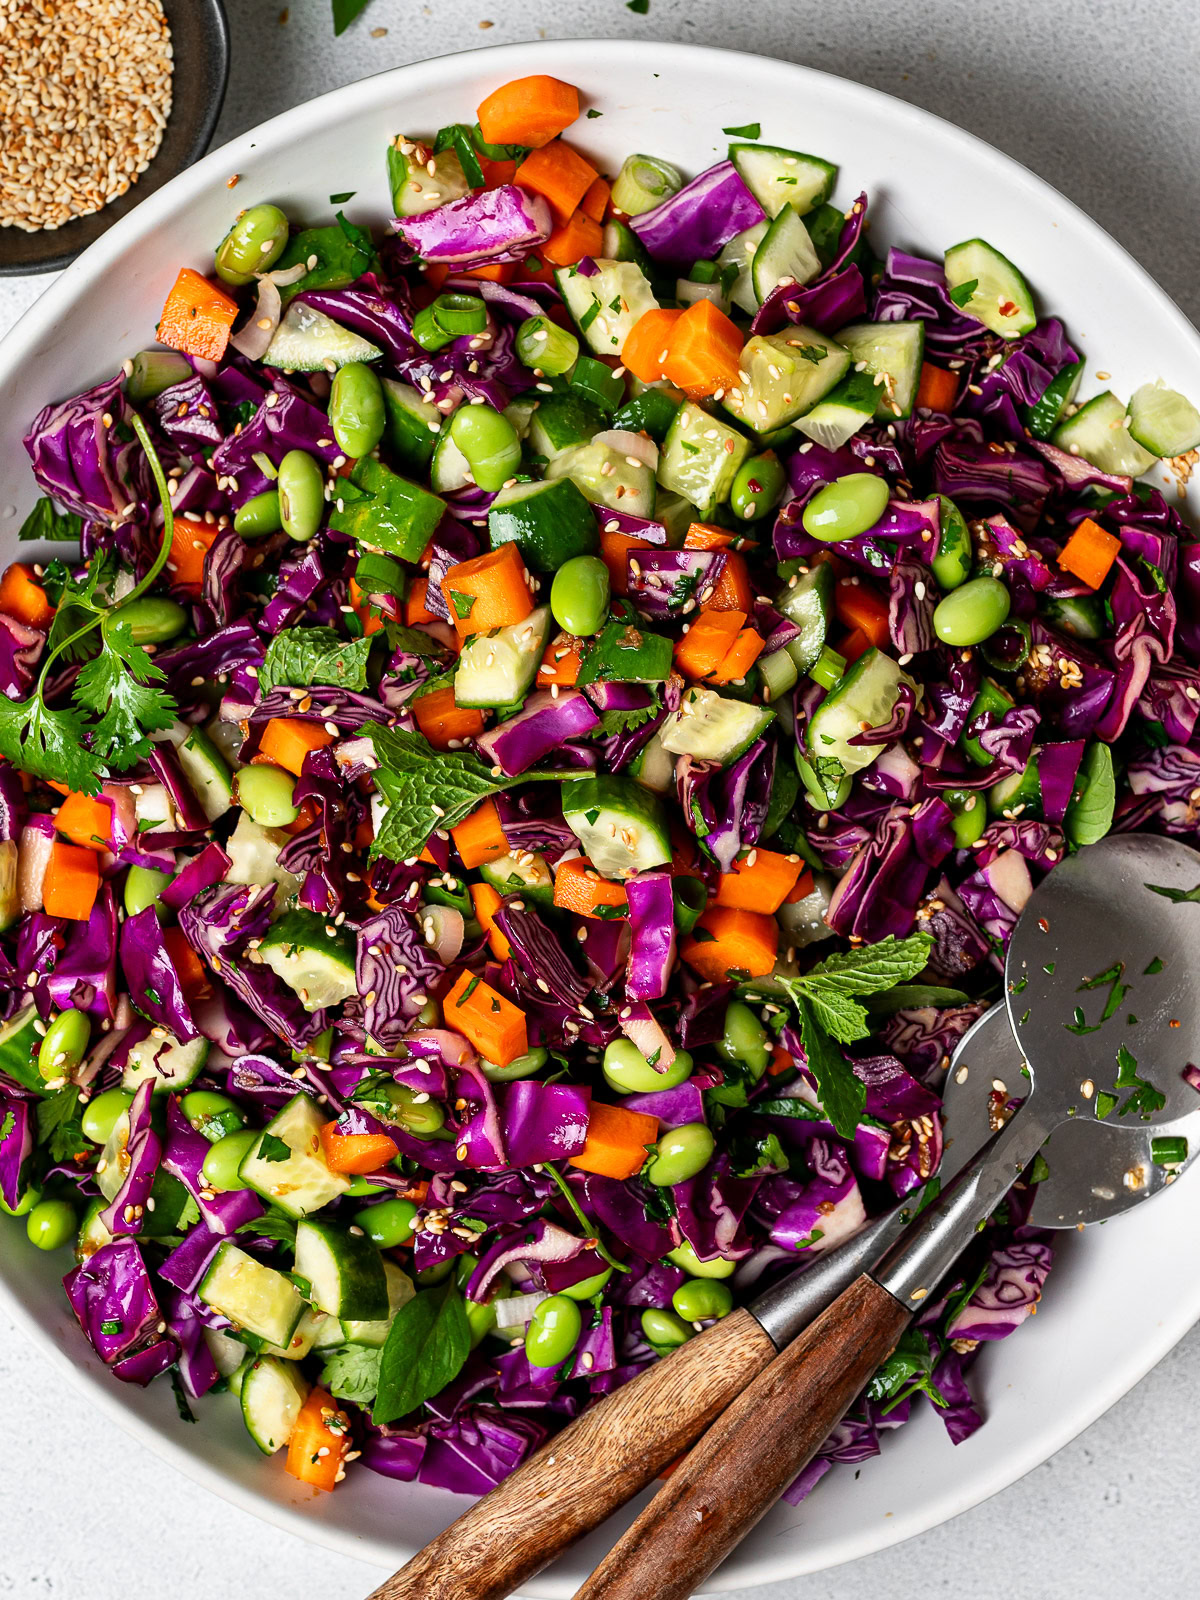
(699, 1299)
(970, 816)
(259, 516)
(519, 1067)
(301, 486)
(266, 794)
(553, 1331)
(846, 507)
(481, 1318)
(545, 347)
(100, 1116)
(389, 1223)
(971, 613)
(464, 1269)
(680, 1154)
(143, 885)
(664, 1329)
(587, 1287)
(744, 1039)
(758, 486)
(356, 411)
(628, 1072)
(490, 443)
(952, 564)
(51, 1224)
(684, 1256)
(64, 1045)
(220, 1168)
(24, 1205)
(152, 619)
(579, 595)
(254, 244)
(212, 1114)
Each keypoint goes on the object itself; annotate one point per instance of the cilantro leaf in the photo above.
(47, 524)
(1178, 897)
(907, 1371)
(118, 686)
(299, 657)
(48, 744)
(1145, 1099)
(58, 1124)
(272, 1225)
(843, 1096)
(618, 720)
(272, 1148)
(352, 1373)
(427, 1346)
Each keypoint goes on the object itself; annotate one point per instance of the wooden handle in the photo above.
(752, 1452)
(597, 1463)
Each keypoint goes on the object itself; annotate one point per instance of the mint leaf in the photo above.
(843, 1096)
(427, 1346)
(299, 657)
(45, 523)
(829, 987)
(272, 1148)
(352, 1373)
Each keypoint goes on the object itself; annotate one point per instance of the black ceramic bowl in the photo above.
(200, 35)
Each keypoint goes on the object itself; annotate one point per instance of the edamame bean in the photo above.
(952, 564)
(684, 1256)
(587, 1287)
(438, 1273)
(259, 516)
(579, 595)
(846, 507)
(153, 619)
(698, 1300)
(143, 885)
(628, 1072)
(356, 411)
(971, 613)
(970, 816)
(680, 1154)
(490, 443)
(212, 1114)
(745, 1039)
(220, 1168)
(481, 1318)
(758, 486)
(100, 1116)
(553, 1331)
(24, 1205)
(389, 1223)
(422, 1117)
(64, 1045)
(301, 486)
(266, 794)
(519, 1067)
(51, 1224)
(254, 244)
(464, 1269)
(664, 1329)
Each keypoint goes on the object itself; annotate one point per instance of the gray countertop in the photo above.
(1095, 98)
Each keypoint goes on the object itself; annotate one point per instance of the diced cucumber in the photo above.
(416, 190)
(345, 1271)
(739, 254)
(168, 1064)
(711, 727)
(654, 765)
(620, 825)
(1098, 433)
(1019, 794)
(306, 340)
(207, 771)
(253, 1296)
(526, 875)
(92, 1235)
(520, 413)
(786, 373)
(700, 458)
(606, 305)
(999, 296)
(676, 513)
(20, 1042)
(562, 421)
(228, 1354)
(991, 698)
(301, 1182)
(607, 476)
(311, 1325)
(1163, 421)
(864, 698)
(652, 412)
(413, 425)
(549, 522)
(687, 293)
(785, 255)
(1045, 414)
(809, 604)
(312, 956)
(449, 468)
(1080, 615)
(845, 409)
(273, 1391)
(778, 178)
(380, 509)
(498, 668)
(893, 352)
(254, 856)
(400, 1290)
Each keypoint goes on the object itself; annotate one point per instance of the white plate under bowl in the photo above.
(1120, 1296)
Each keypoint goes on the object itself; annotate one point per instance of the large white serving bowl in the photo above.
(1120, 1296)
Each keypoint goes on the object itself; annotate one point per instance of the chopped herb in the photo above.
(272, 1148)
(964, 291)
(1178, 897)
(814, 354)
(1155, 967)
(1080, 1024)
(463, 603)
(340, 199)
(1169, 1151)
(1039, 1171)
(1145, 1099)
(1105, 1103)
(592, 112)
(589, 316)
(750, 130)
(639, 7)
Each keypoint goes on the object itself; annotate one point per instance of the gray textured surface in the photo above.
(1103, 106)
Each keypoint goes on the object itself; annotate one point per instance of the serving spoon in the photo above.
(1103, 998)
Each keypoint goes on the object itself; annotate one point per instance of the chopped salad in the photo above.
(526, 763)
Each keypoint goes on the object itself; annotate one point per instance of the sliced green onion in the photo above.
(644, 182)
(545, 347)
(778, 672)
(451, 316)
(829, 668)
(1169, 1151)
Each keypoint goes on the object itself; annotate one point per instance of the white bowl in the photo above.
(1119, 1297)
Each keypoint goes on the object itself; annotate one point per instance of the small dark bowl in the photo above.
(200, 35)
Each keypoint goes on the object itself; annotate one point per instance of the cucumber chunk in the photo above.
(1163, 421)
(785, 374)
(549, 522)
(528, 876)
(412, 425)
(300, 1182)
(562, 421)
(621, 827)
(1097, 432)
(999, 297)
(20, 1042)
(865, 697)
(313, 957)
(739, 254)
(400, 1290)
(700, 457)
(207, 771)
(607, 476)
(416, 190)
(606, 305)
(784, 255)
(847, 407)
(306, 340)
(654, 766)
(809, 604)
(893, 352)
(254, 856)
(499, 668)
(778, 178)
(256, 1297)
(449, 468)
(711, 727)
(345, 1271)
(1045, 414)
(168, 1064)
(273, 1391)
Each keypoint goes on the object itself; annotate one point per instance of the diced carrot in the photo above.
(614, 552)
(287, 740)
(733, 590)
(23, 598)
(306, 815)
(445, 723)
(72, 882)
(857, 605)
(938, 389)
(704, 536)
(320, 1442)
(841, 567)
(707, 642)
(595, 202)
(728, 942)
(486, 1019)
(496, 174)
(704, 351)
(190, 543)
(560, 174)
(562, 660)
(366, 613)
(853, 645)
(801, 889)
(577, 237)
(761, 880)
(489, 591)
(479, 838)
(189, 969)
(578, 887)
(415, 609)
(85, 821)
(1089, 553)
(529, 111)
(197, 317)
(487, 901)
(356, 1152)
(781, 1061)
(536, 269)
(741, 655)
(645, 350)
(617, 1141)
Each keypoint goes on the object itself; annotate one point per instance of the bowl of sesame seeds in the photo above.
(101, 102)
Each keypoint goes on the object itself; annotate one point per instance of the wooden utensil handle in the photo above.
(752, 1452)
(592, 1467)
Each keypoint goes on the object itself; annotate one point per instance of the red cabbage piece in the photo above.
(884, 883)
(1057, 765)
(285, 421)
(235, 646)
(491, 225)
(389, 940)
(700, 219)
(1009, 1292)
(197, 1368)
(912, 596)
(83, 460)
(1020, 379)
(153, 981)
(201, 872)
(672, 1107)
(959, 1415)
(1172, 696)
(545, 1121)
(183, 1158)
(1164, 790)
(959, 944)
(539, 1241)
(813, 1218)
(112, 1296)
(188, 1262)
(661, 582)
(85, 973)
(478, 1449)
(596, 1351)
(913, 289)
(652, 935)
(621, 1208)
(826, 305)
(993, 475)
(16, 1146)
(925, 1037)
(542, 725)
(20, 648)
(395, 1453)
(187, 413)
(381, 313)
(711, 1209)
(139, 1162)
